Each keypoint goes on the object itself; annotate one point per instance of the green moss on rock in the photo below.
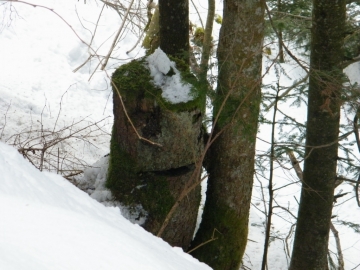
(134, 82)
(132, 187)
(160, 200)
(140, 171)
(121, 166)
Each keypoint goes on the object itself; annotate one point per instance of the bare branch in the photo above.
(338, 247)
(117, 36)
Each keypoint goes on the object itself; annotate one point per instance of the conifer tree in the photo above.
(313, 224)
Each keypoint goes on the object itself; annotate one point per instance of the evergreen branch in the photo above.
(288, 91)
(349, 62)
(292, 119)
(292, 15)
(352, 1)
(282, 43)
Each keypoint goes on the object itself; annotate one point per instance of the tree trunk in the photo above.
(207, 43)
(148, 175)
(231, 165)
(280, 37)
(313, 223)
(174, 28)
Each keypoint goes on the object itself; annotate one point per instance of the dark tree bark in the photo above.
(313, 224)
(174, 28)
(231, 157)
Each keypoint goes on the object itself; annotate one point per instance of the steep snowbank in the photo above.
(47, 223)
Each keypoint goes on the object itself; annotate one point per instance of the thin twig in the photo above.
(116, 36)
(338, 247)
(198, 13)
(284, 46)
(271, 192)
(287, 239)
(295, 165)
(5, 114)
(296, 84)
(183, 194)
(128, 117)
(213, 238)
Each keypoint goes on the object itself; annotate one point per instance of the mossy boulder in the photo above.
(153, 170)
(176, 127)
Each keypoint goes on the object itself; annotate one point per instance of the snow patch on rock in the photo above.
(174, 90)
(93, 182)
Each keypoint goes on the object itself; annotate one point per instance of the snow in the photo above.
(173, 89)
(38, 54)
(93, 183)
(48, 223)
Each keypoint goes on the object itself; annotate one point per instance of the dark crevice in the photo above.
(196, 117)
(176, 171)
(152, 127)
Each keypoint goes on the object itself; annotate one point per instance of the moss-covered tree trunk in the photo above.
(231, 164)
(313, 223)
(147, 176)
(174, 28)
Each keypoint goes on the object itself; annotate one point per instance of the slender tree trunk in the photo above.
(280, 38)
(174, 28)
(313, 224)
(231, 164)
(207, 43)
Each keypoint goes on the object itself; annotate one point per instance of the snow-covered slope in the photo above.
(47, 223)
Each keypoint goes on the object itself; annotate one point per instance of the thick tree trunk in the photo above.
(174, 28)
(231, 164)
(313, 223)
(148, 176)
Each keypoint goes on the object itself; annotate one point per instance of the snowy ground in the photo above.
(46, 221)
